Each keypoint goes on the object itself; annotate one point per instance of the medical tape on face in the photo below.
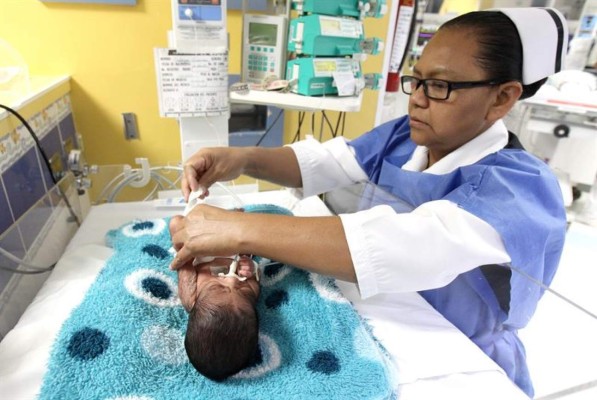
(234, 266)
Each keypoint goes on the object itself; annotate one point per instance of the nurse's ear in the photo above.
(507, 95)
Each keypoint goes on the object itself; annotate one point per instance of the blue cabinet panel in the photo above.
(5, 216)
(24, 183)
(51, 143)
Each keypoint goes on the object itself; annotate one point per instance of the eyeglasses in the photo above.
(438, 89)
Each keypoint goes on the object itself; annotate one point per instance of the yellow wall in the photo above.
(108, 52)
(459, 6)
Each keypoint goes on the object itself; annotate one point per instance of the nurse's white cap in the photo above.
(544, 36)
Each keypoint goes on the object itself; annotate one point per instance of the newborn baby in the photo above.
(223, 329)
(222, 332)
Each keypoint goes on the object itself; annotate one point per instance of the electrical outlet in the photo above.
(130, 126)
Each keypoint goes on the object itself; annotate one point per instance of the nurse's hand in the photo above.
(205, 231)
(209, 165)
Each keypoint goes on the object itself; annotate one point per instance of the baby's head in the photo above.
(223, 329)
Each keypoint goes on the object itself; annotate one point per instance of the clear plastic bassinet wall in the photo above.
(30, 203)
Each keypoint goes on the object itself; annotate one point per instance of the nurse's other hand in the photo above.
(176, 224)
(205, 231)
(209, 165)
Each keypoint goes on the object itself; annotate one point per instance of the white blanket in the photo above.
(433, 358)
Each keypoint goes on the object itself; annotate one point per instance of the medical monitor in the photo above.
(264, 47)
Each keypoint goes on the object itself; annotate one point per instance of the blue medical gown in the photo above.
(519, 197)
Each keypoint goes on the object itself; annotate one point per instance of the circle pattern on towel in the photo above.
(156, 251)
(256, 359)
(87, 344)
(156, 287)
(142, 228)
(276, 298)
(274, 273)
(325, 362)
(153, 287)
(271, 357)
(164, 344)
(326, 287)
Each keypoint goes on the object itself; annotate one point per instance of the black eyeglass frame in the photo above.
(451, 85)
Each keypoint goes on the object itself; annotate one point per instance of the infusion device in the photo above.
(343, 8)
(318, 35)
(193, 74)
(329, 76)
(199, 24)
(264, 47)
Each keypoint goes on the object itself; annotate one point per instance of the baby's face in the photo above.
(196, 282)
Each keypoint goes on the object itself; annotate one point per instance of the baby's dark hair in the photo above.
(221, 338)
(500, 53)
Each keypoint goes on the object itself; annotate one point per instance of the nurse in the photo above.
(481, 202)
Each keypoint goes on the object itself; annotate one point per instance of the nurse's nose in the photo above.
(418, 97)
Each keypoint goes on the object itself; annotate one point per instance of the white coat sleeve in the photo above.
(424, 249)
(326, 166)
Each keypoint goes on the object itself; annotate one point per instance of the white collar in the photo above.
(493, 139)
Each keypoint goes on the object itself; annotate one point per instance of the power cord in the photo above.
(297, 135)
(269, 129)
(340, 116)
(35, 269)
(46, 161)
(329, 124)
(27, 272)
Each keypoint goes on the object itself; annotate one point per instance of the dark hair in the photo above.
(500, 53)
(221, 338)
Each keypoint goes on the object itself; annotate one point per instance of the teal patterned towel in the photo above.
(126, 339)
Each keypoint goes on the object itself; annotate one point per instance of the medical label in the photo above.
(192, 85)
(326, 67)
(341, 27)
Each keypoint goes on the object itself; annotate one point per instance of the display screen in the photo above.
(263, 34)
